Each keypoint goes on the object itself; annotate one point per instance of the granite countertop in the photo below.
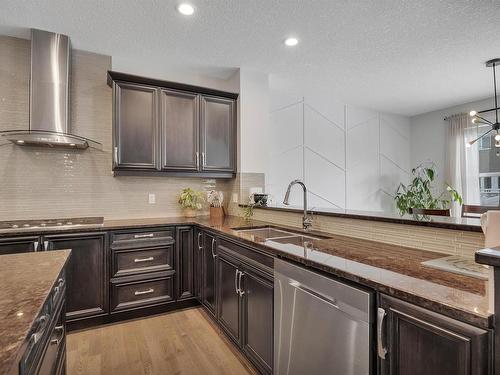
(391, 269)
(25, 283)
(469, 224)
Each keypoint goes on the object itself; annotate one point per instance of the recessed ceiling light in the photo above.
(20, 141)
(186, 9)
(290, 42)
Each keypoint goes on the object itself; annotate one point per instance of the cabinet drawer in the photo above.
(142, 238)
(135, 294)
(129, 262)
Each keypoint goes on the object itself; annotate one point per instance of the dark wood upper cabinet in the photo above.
(421, 342)
(87, 273)
(135, 126)
(217, 134)
(167, 128)
(179, 131)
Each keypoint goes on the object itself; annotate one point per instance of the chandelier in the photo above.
(477, 117)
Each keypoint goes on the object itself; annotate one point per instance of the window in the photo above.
(485, 143)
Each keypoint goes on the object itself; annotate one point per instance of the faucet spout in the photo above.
(306, 220)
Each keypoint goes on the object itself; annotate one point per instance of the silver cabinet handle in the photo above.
(38, 334)
(141, 292)
(149, 235)
(197, 160)
(116, 155)
(204, 159)
(381, 351)
(35, 245)
(46, 245)
(199, 238)
(236, 272)
(58, 341)
(140, 260)
(239, 284)
(213, 250)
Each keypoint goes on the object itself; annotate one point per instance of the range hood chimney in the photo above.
(49, 95)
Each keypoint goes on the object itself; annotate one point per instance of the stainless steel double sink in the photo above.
(277, 234)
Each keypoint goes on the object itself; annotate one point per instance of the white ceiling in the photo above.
(404, 57)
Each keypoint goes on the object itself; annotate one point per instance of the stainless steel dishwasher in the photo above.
(321, 326)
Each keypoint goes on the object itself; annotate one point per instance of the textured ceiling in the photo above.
(401, 56)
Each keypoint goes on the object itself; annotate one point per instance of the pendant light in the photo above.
(478, 119)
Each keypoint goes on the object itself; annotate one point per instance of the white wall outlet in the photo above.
(235, 198)
(152, 198)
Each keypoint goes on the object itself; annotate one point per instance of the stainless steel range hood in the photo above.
(49, 95)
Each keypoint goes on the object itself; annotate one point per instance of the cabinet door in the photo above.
(228, 297)
(135, 126)
(86, 281)
(197, 255)
(218, 134)
(258, 327)
(184, 263)
(179, 131)
(421, 342)
(208, 272)
(17, 245)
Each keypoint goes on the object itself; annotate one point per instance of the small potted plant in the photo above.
(191, 202)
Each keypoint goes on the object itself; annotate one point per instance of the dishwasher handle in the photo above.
(381, 350)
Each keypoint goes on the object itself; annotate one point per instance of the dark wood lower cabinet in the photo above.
(257, 318)
(87, 279)
(245, 300)
(208, 272)
(16, 245)
(421, 342)
(228, 296)
(184, 263)
(197, 259)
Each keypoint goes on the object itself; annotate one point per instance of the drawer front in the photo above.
(143, 293)
(249, 255)
(131, 262)
(142, 238)
(55, 347)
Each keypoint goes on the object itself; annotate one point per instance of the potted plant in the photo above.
(419, 192)
(191, 202)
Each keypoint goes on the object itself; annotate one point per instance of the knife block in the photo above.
(217, 212)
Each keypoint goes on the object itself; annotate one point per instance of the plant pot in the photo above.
(190, 212)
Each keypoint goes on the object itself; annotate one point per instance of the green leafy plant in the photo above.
(192, 199)
(248, 209)
(418, 194)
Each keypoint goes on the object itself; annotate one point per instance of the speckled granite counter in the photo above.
(25, 282)
(391, 269)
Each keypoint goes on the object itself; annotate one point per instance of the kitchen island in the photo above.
(31, 295)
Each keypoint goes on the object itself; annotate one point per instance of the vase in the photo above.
(190, 212)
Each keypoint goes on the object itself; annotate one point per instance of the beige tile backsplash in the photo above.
(42, 182)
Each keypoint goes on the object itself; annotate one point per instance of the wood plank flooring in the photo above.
(181, 342)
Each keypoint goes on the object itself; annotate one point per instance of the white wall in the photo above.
(253, 121)
(428, 135)
(349, 157)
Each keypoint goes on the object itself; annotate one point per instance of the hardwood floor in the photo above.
(181, 342)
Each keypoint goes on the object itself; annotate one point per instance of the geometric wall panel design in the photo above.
(324, 137)
(324, 179)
